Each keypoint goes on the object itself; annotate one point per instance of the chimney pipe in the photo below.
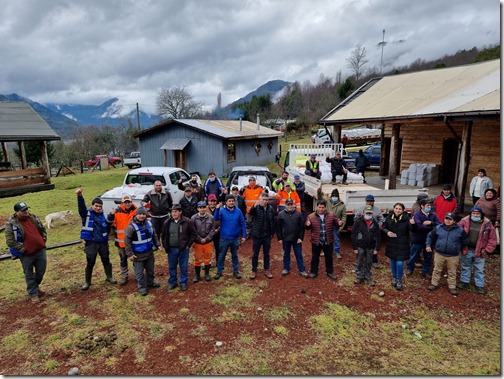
(258, 121)
(241, 127)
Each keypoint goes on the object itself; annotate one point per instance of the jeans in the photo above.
(297, 247)
(363, 263)
(216, 243)
(397, 269)
(233, 244)
(34, 268)
(176, 257)
(123, 259)
(337, 245)
(338, 172)
(147, 279)
(328, 256)
(416, 249)
(265, 242)
(468, 260)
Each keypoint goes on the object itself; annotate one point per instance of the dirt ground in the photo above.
(304, 297)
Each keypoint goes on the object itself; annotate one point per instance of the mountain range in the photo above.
(63, 117)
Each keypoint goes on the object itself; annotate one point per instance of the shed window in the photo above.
(231, 152)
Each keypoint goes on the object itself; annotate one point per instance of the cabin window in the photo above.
(231, 152)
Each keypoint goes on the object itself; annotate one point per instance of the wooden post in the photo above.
(336, 134)
(22, 152)
(382, 158)
(461, 179)
(394, 154)
(5, 152)
(45, 163)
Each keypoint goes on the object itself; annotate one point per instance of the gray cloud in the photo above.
(90, 51)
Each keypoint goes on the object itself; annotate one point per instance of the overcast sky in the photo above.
(89, 51)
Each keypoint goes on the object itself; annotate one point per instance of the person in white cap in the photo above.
(26, 237)
(121, 217)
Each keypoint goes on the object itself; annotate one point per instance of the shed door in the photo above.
(449, 160)
(180, 159)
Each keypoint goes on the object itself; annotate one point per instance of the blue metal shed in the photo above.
(208, 145)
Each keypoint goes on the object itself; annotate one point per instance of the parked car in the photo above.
(134, 160)
(240, 174)
(373, 153)
(93, 161)
(139, 181)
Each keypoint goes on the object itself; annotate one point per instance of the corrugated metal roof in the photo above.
(471, 89)
(19, 122)
(175, 144)
(226, 129)
(231, 128)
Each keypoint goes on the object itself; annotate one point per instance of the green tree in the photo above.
(33, 152)
(345, 89)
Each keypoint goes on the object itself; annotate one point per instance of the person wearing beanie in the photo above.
(490, 204)
(204, 227)
(26, 238)
(482, 241)
(121, 217)
(140, 242)
(336, 206)
(95, 231)
(445, 202)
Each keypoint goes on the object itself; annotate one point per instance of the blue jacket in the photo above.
(213, 187)
(447, 241)
(95, 226)
(231, 223)
(420, 230)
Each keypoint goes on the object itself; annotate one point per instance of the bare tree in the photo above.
(357, 60)
(177, 102)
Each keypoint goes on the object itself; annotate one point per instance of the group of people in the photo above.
(208, 219)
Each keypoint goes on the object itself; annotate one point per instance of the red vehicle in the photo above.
(92, 162)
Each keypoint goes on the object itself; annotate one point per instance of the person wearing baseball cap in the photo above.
(189, 203)
(204, 228)
(366, 239)
(338, 167)
(121, 216)
(446, 241)
(312, 167)
(377, 215)
(141, 242)
(95, 231)
(250, 193)
(445, 202)
(480, 245)
(300, 190)
(177, 236)
(26, 238)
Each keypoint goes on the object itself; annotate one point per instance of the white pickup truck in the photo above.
(134, 160)
(139, 181)
(354, 193)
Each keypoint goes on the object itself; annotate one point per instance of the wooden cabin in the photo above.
(19, 123)
(448, 116)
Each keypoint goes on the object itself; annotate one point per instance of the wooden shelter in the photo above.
(448, 116)
(19, 123)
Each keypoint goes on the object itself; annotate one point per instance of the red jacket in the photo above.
(487, 239)
(331, 223)
(443, 206)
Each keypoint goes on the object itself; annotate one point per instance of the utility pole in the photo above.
(138, 115)
(382, 43)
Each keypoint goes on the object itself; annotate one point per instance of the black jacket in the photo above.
(290, 226)
(336, 164)
(189, 208)
(364, 237)
(187, 233)
(397, 248)
(263, 221)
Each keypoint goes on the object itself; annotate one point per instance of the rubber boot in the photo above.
(197, 269)
(207, 273)
(108, 273)
(124, 276)
(86, 285)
